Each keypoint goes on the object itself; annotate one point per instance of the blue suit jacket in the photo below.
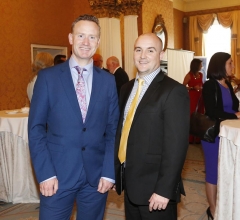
(69, 145)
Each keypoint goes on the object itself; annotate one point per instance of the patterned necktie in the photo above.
(128, 123)
(81, 93)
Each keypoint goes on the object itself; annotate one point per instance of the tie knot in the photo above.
(79, 69)
(140, 81)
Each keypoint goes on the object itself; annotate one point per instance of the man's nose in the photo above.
(86, 41)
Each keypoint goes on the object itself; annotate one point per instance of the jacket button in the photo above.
(84, 129)
(83, 148)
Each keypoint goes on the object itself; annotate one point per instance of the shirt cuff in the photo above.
(49, 179)
(108, 179)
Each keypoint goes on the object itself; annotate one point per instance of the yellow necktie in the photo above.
(128, 123)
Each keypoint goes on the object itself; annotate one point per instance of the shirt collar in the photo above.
(116, 69)
(149, 78)
(73, 63)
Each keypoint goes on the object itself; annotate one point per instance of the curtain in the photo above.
(235, 42)
(110, 44)
(225, 19)
(195, 36)
(205, 21)
(201, 23)
(130, 35)
(198, 25)
(231, 19)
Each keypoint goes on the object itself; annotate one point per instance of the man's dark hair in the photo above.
(59, 59)
(216, 67)
(195, 64)
(87, 17)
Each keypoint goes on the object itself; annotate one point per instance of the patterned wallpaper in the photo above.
(23, 23)
(48, 22)
(150, 9)
(178, 28)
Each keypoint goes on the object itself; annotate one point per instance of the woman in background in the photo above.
(236, 87)
(193, 82)
(42, 60)
(225, 106)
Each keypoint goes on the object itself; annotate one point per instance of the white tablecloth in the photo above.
(228, 187)
(17, 182)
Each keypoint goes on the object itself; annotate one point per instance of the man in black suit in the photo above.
(98, 61)
(157, 142)
(121, 76)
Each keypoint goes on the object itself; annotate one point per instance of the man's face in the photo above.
(147, 54)
(110, 66)
(84, 40)
(97, 61)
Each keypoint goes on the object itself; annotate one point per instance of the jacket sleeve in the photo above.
(37, 135)
(176, 131)
(213, 109)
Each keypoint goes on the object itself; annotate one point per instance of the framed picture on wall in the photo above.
(53, 50)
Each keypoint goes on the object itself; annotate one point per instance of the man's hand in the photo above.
(49, 187)
(104, 185)
(114, 187)
(157, 202)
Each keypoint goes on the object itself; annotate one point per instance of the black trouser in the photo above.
(141, 212)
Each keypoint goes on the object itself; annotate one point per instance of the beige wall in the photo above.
(209, 4)
(195, 5)
(23, 23)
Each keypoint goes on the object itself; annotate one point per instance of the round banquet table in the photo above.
(228, 186)
(17, 180)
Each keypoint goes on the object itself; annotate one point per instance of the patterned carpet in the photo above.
(192, 207)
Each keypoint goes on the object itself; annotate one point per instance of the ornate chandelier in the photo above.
(114, 8)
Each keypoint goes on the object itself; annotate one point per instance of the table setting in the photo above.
(17, 180)
(228, 186)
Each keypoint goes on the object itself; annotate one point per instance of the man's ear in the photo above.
(98, 42)
(70, 38)
(161, 55)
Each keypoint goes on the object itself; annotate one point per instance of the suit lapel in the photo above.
(96, 90)
(153, 87)
(67, 82)
(124, 97)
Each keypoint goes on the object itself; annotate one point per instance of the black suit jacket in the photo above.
(157, 142)
(121, 78)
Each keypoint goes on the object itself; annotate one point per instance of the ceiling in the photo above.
(195, 5)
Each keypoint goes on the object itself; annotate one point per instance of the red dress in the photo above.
(194, 96)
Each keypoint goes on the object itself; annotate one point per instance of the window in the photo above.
(217, 39)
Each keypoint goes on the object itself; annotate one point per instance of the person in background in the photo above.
(236, 86)
(74, 159)
(41, 61)
(121, 76)
(98, 61)
(193, 82)
(151, 145)
(225, 106)
(59, 59)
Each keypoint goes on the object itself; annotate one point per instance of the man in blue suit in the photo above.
(74, 159)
